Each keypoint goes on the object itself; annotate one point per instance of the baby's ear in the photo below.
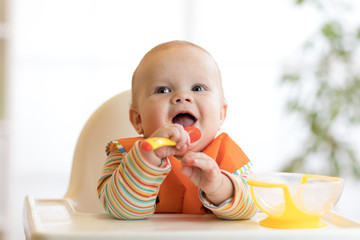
(223, 111)
(135, 119)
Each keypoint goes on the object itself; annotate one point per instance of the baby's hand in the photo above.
(204, 172)
(174, 132)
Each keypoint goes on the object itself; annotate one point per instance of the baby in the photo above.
(177, 84)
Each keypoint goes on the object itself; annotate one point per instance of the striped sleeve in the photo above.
(129, 185)
(241, 206)
(244, 170)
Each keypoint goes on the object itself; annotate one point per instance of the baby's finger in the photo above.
(164, 152)
(183, 140)
(200, 160)
(173, 132)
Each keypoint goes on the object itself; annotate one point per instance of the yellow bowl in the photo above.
(294, 200)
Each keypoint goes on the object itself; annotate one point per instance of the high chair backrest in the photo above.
(109, 122)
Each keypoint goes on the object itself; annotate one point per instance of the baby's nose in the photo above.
(181, 98)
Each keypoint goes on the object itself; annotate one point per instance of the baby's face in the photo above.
(179, 85)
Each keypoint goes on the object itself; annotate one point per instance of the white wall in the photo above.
(69, 56)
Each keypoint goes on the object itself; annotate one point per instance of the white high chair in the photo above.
(79, 214)
(109, 122)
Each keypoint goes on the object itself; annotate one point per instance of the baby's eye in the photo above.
(162, 90)
(198, 88)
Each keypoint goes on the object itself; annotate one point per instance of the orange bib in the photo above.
(177, 193)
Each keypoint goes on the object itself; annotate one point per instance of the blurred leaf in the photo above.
(299, 2)
(332, 30)
(295, 165)
(290, 77)
(354, 163)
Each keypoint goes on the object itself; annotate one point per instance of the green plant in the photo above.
(325, 87)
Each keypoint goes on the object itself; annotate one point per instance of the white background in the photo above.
(67, 57)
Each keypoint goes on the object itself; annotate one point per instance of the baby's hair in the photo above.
(164, 46)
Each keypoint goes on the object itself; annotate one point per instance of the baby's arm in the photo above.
(129, 185)
(204, 172)
(226, 195)
(240, 206)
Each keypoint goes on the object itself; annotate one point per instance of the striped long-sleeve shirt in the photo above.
(129, 186)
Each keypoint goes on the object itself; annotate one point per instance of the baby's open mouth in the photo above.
(184, 119)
